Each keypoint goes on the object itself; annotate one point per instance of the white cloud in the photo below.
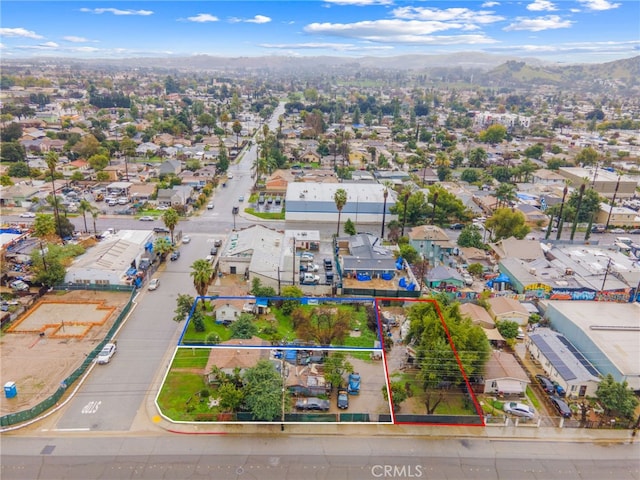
(541, 6)
(203, 18)
(599, 4)
(74, 39)
(538, 24)
(446, 15)
(411, 32)
(490, 4)
(117, 11)
(360, 3)
(342, 47)
(259, 19)
(19, 32)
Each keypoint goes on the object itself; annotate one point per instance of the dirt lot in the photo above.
(72, 326)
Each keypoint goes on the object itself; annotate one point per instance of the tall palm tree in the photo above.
(94, 214)
(340, 197)
(575, 220)
(52, 160)
(85, 207)
(201, 272)
(170, 218)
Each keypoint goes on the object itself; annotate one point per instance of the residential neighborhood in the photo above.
(314, 233)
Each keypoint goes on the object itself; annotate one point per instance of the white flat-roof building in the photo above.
(307, 201)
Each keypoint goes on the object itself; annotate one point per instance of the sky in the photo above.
(565, 31)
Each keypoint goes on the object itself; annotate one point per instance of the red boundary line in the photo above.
(455, 354)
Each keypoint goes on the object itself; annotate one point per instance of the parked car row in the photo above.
(556, 393)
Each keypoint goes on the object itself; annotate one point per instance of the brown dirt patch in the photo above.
(38, 364)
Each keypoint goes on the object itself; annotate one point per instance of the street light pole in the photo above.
(613, 202)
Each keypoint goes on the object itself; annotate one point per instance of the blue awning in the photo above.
(262, 302)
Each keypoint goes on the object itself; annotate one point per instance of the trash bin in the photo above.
(10, 389)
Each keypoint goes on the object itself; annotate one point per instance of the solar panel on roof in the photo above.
(562, 368)
(585, 363)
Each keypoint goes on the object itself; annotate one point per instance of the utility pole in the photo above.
(404, 214)
(613, 202)
(385, 194)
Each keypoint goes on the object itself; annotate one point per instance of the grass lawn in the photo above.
(265, 215)
(191, 358)
(179, 399)
(191, 336)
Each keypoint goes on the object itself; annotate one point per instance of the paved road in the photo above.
(308, 457)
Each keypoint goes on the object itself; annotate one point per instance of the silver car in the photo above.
(519, 409)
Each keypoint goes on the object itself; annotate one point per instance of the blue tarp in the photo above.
(502, 278)
(363, 277)
(262, 302)
(387, 275)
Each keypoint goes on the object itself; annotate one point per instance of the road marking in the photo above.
(91, 407)
(71, 429)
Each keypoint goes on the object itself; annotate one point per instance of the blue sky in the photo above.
(570, 31)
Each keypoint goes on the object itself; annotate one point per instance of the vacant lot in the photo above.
(52, 341)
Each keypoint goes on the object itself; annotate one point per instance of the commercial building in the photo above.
(607, 334)
(119, 259)
(314, 202)
(602, 181)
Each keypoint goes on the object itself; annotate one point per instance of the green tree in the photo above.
(48, 269)
(470, 175)
(198, 320)
(230, 397)
(19, 169)
(11, 132)
(184, 302)
(505, 193)
(259, 290)
(324, 326)
(170, 218)
(51, 159)
(290, 292)
(398, 393)
(340, 198)
(449, 208)
(263, 389)
(5, 181)
(12, 152)
(77, 176)
(201, 272)
(534, 151)
(505, 223)
(587, 156)
(494, 134)
(237, 128)
(243, 327)
(349, 227)
(475, 269)
(336, 366)
(616, 397)
(470, 236)
(409, 253)
(589, 205)
(478, 158)
(98, 162)
(85, 206)
(162, 246)
(434, 355)
(507, 328)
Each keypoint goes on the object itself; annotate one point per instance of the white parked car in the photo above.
(154, 284)
(186, 239)
(106, 353)
(306, 257)
(147, 218)
(27, 215)
(519, 409)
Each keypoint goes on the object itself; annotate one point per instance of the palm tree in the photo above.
(52, 160)
(201, 272)
(170, 218)
(162, 246)
(85, 207)
(340, 197)
(94, 214)
(505, 193)
(237, 128)
(575, 220)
